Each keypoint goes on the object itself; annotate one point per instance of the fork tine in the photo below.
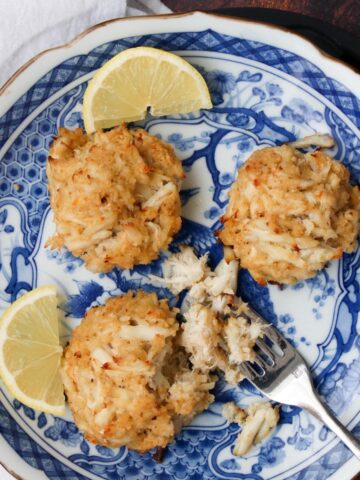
(276, 338)
(248, 370)
(269, 331)
(261, 364)
(266, 350)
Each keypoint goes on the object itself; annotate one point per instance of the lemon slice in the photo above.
(141, 79)
(30, 351)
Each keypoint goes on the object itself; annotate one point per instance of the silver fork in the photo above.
(282, 375)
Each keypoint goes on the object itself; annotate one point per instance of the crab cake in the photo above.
(115, 196)
(290, 213)
(127, 380)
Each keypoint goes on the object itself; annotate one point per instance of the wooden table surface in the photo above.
(341, 13)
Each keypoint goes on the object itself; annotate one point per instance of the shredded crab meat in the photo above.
(182, 270)
(217, 333)
(160, 195)
(201, 336)
(317, 140)
(257, 422)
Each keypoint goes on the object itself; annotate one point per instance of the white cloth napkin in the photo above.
(29, 26)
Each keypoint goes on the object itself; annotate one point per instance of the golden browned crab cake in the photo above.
(290, 213)
(115, 196)
(127, 380)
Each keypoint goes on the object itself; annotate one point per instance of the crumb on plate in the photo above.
(257, 422)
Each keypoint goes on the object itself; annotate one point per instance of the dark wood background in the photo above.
(341, 13)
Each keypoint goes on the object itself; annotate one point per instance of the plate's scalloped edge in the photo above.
(320, 51)
(15, 475)
(80, 36)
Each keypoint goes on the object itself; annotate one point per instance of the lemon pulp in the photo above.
(141, 79)
(30, 351)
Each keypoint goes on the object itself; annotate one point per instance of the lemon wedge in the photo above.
(141, 79)
(30, 351)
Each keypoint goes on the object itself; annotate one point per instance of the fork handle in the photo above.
(322, 413)
(311, 402)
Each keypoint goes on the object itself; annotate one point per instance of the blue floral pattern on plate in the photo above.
(256, 104)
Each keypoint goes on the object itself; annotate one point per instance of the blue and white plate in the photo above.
(268, 86)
